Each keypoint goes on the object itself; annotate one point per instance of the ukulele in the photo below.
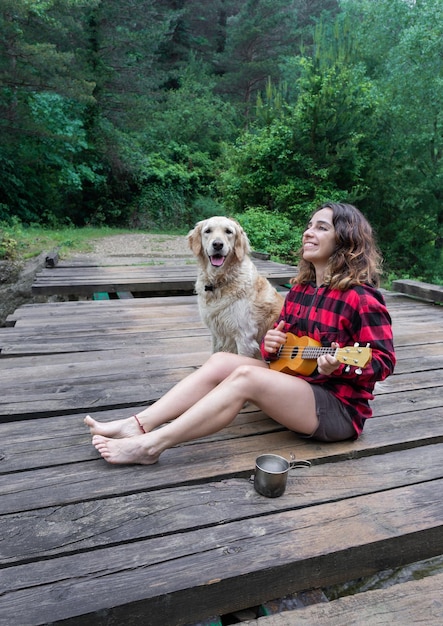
(299, 355)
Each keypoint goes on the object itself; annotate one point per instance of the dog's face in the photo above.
(218, 239)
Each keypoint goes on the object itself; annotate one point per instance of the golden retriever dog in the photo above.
(236, 303)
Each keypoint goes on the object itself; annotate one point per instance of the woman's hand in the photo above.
(274, 338)
(327, 364)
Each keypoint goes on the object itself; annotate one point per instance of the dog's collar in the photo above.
(209, 287)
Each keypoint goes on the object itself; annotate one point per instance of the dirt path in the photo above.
(140, 244)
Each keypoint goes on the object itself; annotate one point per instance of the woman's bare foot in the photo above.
(125, 451)
(117, 429)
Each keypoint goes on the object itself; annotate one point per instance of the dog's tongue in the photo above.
(217, 260)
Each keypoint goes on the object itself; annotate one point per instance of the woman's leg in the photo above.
(287, 399)
(177, 400)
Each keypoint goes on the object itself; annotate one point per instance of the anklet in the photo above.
(139, 423)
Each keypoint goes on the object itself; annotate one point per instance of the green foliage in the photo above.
(404, 179)
(168, 186)
(192, 115)
(159, 113)
(8, 246)
(315, 150)
(260, 33)
(271, 233)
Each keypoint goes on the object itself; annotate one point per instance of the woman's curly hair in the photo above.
(356, 259)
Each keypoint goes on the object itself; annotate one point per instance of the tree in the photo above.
(404, 181)
(177, 160)
(42, 94)
(315, 145)
(256, 37)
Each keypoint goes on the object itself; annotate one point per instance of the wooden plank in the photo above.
(109, 392)
(225, 568)
(125, 387)
(169, 341)
(422, 355)
(385, 432)
(86, 319)
(189, 537)
(85, 475)
(411, 602)
(417, 289)
(26, 447)
(112, 333)
(44, 309)
(71, 279)
(152, 308)
(132, 285)
(148, 514)
(427, 357)
(151, 259)
(177, 321)
(152, 347)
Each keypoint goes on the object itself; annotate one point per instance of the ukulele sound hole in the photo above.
(294, 353)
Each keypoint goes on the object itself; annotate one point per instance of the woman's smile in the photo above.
(319, 241)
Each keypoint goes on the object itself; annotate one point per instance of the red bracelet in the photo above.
(139, 423)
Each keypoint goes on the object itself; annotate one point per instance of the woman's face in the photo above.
(319, 241)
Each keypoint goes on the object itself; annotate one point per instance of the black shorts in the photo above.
(335, 423)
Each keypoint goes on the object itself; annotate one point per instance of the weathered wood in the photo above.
(196, 338)
(412, 602)
(113, 389)
(25, 448)
(70, 278)
(85, 474)
(60, 309)
(225, 568)
(188, 538)
(51, 259)
(149, 513)
(146, 339)
(417, 289)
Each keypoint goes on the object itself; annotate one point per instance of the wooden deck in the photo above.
(84, 542)
(135, 274)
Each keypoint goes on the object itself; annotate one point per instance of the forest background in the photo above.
(153, 114)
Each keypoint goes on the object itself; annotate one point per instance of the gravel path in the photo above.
(143, 245)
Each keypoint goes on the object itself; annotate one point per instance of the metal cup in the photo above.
(271, 474)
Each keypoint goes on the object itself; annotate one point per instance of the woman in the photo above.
(334, 300)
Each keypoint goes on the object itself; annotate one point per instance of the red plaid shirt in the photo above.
(357, 315)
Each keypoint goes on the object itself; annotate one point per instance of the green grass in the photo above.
(18, 242)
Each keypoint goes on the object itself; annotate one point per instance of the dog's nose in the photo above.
(217, 245)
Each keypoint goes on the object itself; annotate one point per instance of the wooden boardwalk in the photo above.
(135, 274)
(84, 542)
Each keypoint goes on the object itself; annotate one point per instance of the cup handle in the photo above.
(293, 463)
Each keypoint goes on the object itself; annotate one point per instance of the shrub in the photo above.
(271, 233)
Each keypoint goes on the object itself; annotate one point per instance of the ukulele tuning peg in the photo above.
(356, 345)
(347, 369)
(358, 371)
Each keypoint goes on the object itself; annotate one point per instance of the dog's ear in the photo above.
(242, 246)
(195, 239)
